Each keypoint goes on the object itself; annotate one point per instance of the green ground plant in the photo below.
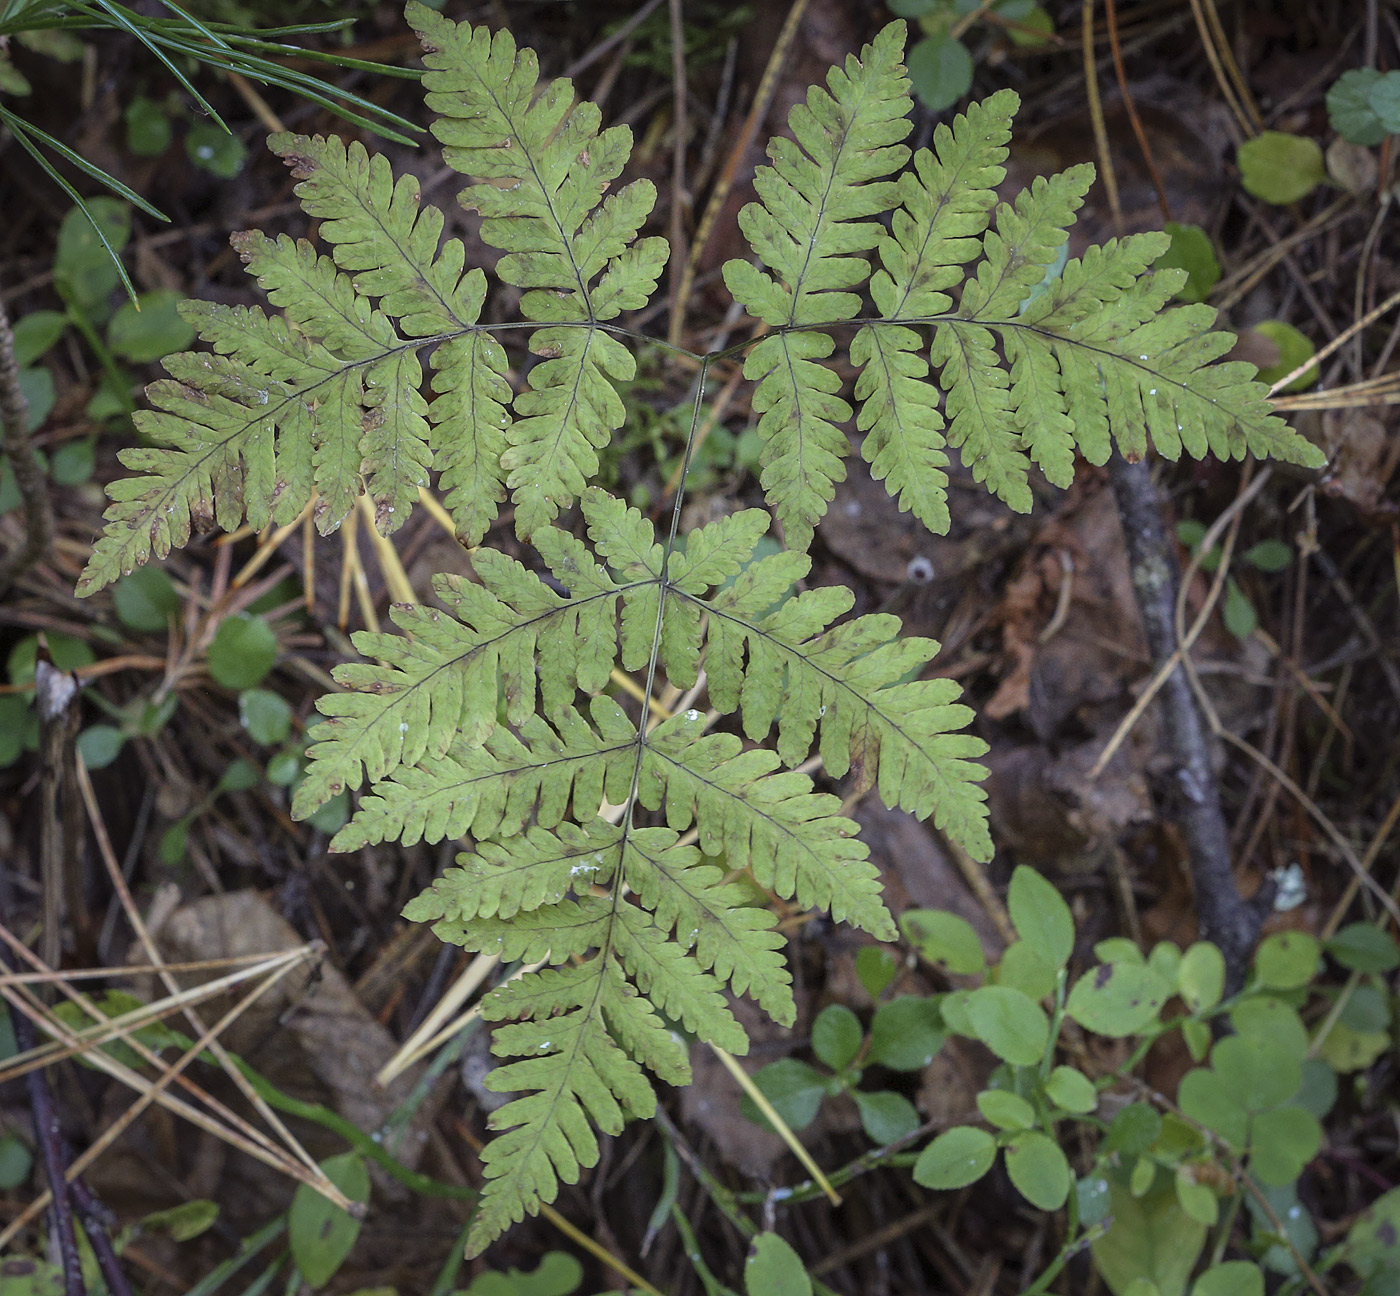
(603, 843)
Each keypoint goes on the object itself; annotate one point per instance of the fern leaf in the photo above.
(543, 166)
(793, 839)
(947, 202)
(494, 789)
(816, 209)
(675, 982)
(381, 234)
(539, 867)
(731, 938)
(575, 1077)
(779, 662)
(499, 641)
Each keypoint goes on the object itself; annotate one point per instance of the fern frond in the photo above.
(816, 208)
(946, 205)
(780, 662)
(493, 789)
(509, 640)
(574, 1076)
(542, 166)
(794, 840)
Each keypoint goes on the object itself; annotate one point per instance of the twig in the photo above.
(29, 477)
(49, 1137)
(1225, 917)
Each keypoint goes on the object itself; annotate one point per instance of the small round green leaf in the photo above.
(1384, 98)
(906, 1033)
(886, 1117)
(775, 1269)
(795, 1089)
(1205, 1098)
(943, 937)
(1294, 349)
(16, 1161)
(1071, 1091)
(1241, 620)
(1006, 1110)
(940, 71)
(1287, 960)
(1280, 168)
(1023, 968)
(1095, 1201)
(146, 600)
(1133, 1130)
(876, 968)
(1118, 949)
(185, 1221)
(149, 328)
(1233, 1278)
(72, 463)
(1366, 1009)
(1258, 1073)
(210, 146)
(1041, 916)
(1200, 977)
(1038, 1170)
(1269, 555)
(956, 1158)
(148, 132)
(35, 332)
(1272, 1023)
(83, 270)
(1014, 1027)
(1362, 947)
(320, 1233)
(1191, 250)
(1373, 1245)
(1282, 1143)
(1349, 107)
(836, 1034)
(243, 651)
(268, 718)
(1117, 999)
(1196, 1199)
(99, 745)
(283, 768)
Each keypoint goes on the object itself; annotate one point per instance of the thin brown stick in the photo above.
(1225, 917)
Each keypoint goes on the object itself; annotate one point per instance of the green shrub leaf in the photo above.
(1014, 1027)
(956, 1158)
(1041, 916)
(1038, 1169)
(320, 1233)
(1117, 999)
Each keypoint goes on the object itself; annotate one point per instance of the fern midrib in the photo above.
(566, 606)
(420, 269)
(790, 651)
(819, 225)
(174, 484)
(564, 241)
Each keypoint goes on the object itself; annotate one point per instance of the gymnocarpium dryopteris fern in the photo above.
(602, 839)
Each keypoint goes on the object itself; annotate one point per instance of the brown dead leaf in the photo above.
(1362, 448)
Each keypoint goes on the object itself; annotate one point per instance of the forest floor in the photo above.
(180, 835)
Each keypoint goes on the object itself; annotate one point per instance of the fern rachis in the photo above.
(600, 841)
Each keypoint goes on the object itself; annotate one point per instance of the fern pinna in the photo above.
(602, 841)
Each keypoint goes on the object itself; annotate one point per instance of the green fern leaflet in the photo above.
(602, 841)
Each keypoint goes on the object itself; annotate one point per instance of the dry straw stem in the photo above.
(103, 1031)
(150, 1091)
(318, 1178)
